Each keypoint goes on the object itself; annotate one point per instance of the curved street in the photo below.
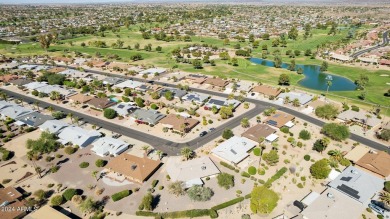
(384, 43)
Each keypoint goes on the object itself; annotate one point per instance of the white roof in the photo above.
(289, 124)
(310, 198)
(78, 136)
(124, 108)
(271, 137)
(27, 67)
(193, 182)
(53, 126)
(333, 174)
(152, 71)
(196, 97)
(129, 84)
(42, 67)
(15, 111)
(190, 170)
(50, 88)
(74, 73)
(359, 117)
(340, 57)
(4, 104)
(234, 149)
(109, 146)
(302, 97)
(34, 85)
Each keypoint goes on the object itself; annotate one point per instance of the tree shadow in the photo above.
(62, 161)
(156, 201)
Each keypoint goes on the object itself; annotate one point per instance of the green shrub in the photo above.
(275, 177)
(54, 169)
(345, 162)
(213, 213)
(109, 113)
(387, 186)
(304, 134)
(336, 131)
(225, 180)
(252, 170)
(56, 200)
(285, 129)
(69, 193)
(228, 203)
(227, 165)
(300, 185)
(320, 169)
(154, 183)
(261, 171)
(257, 151)
(5, 181)
(245, 174)
(120, 195)
(70, 150)
(84, 165)
(145, 213)
(355, 108)
(100, 163)
(306, 157)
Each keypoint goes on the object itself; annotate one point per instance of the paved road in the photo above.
(173, 148)
(384, 43)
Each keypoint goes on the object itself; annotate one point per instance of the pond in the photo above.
(314, 78)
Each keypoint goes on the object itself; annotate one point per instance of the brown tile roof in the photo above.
(11, 195)
(176, 122)
(378, 163)
(260, 130)
(98, 63)
(279, 119)
(266, 90)
(133, 167)
(195, 79)
(7, 78)
(216, 82)
(56, 69)
(81, 98)
(101, 103)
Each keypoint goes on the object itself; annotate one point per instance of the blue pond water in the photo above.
(314, 78)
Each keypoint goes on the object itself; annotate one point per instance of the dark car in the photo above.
(202, 134)
(211, 129)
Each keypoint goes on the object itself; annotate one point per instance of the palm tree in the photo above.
(55, 95)
(146, 149)
(159, 154)
(245, 123)
(3, 96)
(94, 175)
(286, 100)
(70, 115)
(296, 102)
(76, 120)
(21, 102)
(385, 197)
(336, 154)
(187, 153)
(367, 117)
(51, 109)
(328, 83)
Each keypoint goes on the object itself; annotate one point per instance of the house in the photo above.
(361, 117)
(63, 60)
(196, 97)
(302, 97)
(78, 136)
(266, 90)
(20, 82)
(53, 126)
(150, 117)
(11, 65)
(132, 168)
(280, 119)
(357, 184)
(260, 131)
(4, 104)
(196, 79)
(124, 109)
(80, 98)
(109, 146)
(7, 78)
(333, 204)
(14, 111)
(179, 123)
(34, 119)
(218, 82)
(101, 103)
(191, 172)
(128, 84)
(356, 153)
(27, 67)
(152, 71)
(217, 102)
(56, 70)
(35, 85)
(42, 67)
(134, 69)
(47, 211)
(376, 162)
(50, 88)
(98, 63)
(112, 80)
(177, 93)
(10, 201)
(72, 73)
(234, 150)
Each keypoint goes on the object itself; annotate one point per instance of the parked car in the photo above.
(202, 134)
(211, 129)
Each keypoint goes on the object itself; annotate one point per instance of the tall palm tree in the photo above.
(94, 175)
(336, 154)
(159, 154)
(187, 153)
(146, 149)
(296, 102)
(286, 100)
(55, 95)
(328, 83)
(368, 116)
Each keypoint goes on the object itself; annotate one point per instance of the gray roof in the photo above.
(177, 93)
(113, 80)
(15, 111)
(357, 184)
(109, 146)
(74, 73)
(149, 116)
(78, 136)
(235, 149)
(53, 126)
(302, 97)
(124, 109)
(4, 104)
(350, 115)
(50, 88)
(20, 81)
(196, 97)
(34, 119)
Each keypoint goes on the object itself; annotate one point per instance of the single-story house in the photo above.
(340, 57)
(357, 184)
(27, 67)
(135, 69)
(80, 98)
(234, 150)
(302, 97)
(112, 80)
(377, 162)
(129, 84)
(191, 172)
(7, 78)
(266, 90)
(218, 82)
(196, 97)
(79, 61)
(177, 93)
(133, 168)
(97, 63)
(179, 123)
(47, 211)
(4, 104)
(42, 67)
(35, 85)
(78, 136)
(280, 119)
(196, 78)
(356, 153)
(53, 126)
(360, 117)
(152, 71)
(151, 117)
(50, 88)
(260, 131)
(101, 103)
(10, 65)
(217, 102)
(109, 146)
(333, 204)
(20, 82)
(124, 109)
(11, 201)
(64, 60)
(34, 119)
(72, 73)
(56, 70)
(14, 111)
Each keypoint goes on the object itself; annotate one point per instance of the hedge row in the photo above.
(180, 214)
(118, 196)
(275, 177)
(228, 203)
(227, 165)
